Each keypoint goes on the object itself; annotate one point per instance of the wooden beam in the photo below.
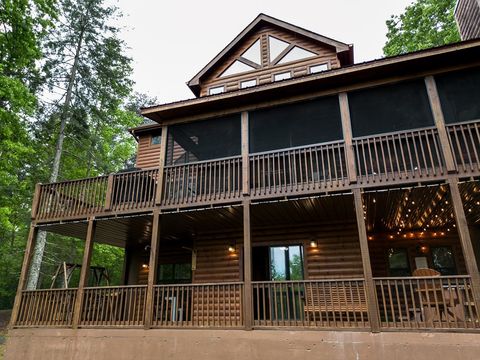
(152, 267)
(372, 302)
(87, 256)
(347, 136)
(440, 123)
(245, 155)
(247, 267)
(465, 239)
(161, 165)
(32, 235)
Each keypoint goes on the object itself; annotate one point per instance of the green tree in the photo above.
(23, 24)
(424, 24)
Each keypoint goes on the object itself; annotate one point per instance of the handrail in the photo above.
(398, 132)
(302, 147)
(204, 161)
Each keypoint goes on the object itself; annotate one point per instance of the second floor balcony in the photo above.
(419, 131)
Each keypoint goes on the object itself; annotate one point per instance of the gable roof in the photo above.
(344, 51)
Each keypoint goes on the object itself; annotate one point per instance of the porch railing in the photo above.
(315, 303)
(198, 305)
(117, 192)
(444, 302)
(45, 308)
(113, 306)
(297, 170)
(398, 156)
(203, 181)
(465, 142)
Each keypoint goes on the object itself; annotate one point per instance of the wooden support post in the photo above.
(36, 200)
(347, 137)
(440, 123)
(247, 267)
(465, 239)
(152, 267)
(372, 302)
(161, 165)
(108, 196)
(87, 256)
(32, 235)
(245, 155)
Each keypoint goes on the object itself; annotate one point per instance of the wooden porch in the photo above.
(332, 289)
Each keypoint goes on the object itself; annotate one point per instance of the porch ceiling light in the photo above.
(231, 249)
(313, 244)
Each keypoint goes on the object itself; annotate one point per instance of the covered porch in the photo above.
(380, 260)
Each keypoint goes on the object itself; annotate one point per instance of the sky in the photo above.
(171, 40)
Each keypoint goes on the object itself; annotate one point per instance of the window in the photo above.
(459, 94)
(390, 108)
(216, 90)
(286, 263)
(318, 68)
(276, 47)
(304, 123)
(175, 273)
(398, 264)
(248, 83)
(443, 260)
(297, 53)
(282, 76)
(156, 139)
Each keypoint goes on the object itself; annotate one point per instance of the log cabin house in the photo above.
(297, 191)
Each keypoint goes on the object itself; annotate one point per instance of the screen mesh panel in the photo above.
(390, 108)
(459, 94)
(204, 140)
(286, 126)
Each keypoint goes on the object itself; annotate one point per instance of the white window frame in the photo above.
(248, 81)
(282, 73)
(316, 72)
(212, 90)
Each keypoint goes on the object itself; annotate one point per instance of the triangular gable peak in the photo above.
(269, 50)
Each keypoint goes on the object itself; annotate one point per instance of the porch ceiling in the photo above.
(114, 232)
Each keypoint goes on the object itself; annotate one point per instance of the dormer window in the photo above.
(318, 68)
(282, 76)
(216, 90)
(248, 83)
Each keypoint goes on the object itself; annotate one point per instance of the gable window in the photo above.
(318, 68)
(156, 139)
(282, 76)
(236, 68)
(297, 53)
(253, 53)
(276, 47)
(216, 90)
(248, 83)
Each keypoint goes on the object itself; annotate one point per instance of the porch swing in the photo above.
(65, 270)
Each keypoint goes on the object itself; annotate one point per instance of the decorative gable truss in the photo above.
(269, 50)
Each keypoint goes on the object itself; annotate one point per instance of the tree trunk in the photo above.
(41, 239)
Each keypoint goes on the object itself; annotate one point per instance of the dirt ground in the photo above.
(4, 319)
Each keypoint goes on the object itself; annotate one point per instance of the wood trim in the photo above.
(87, 256)
(249, 63)
(247, 266)
(161, 165)
(373, 312)
(465, 239)
(347, 136)
(152, 267)
(36, 200)
(440, 123)
(245, 154)
(31, 241)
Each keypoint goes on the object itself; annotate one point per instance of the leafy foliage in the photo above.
(424, 24)
(38, 43)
